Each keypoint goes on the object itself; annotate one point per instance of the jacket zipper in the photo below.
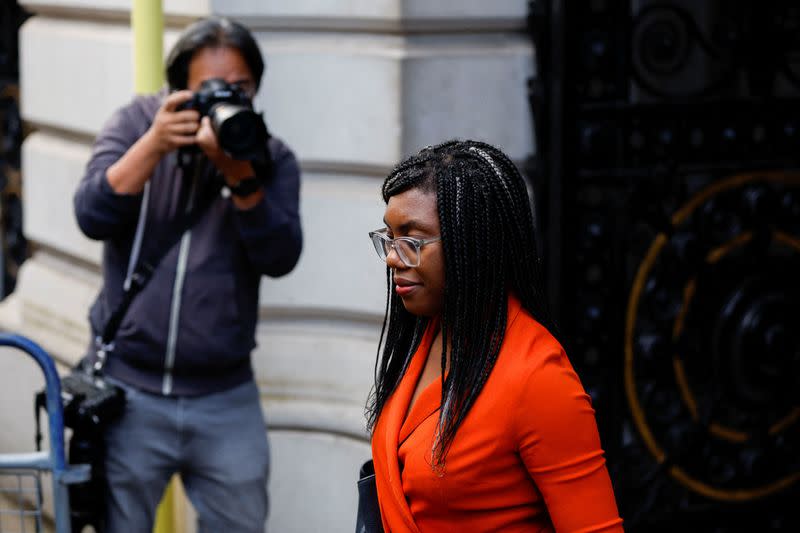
(175, 308)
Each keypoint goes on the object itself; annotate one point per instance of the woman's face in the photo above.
(220, 62)
(413, 213)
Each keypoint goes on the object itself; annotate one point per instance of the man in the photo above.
(182, 349)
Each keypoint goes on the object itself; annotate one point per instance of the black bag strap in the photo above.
(144, 269)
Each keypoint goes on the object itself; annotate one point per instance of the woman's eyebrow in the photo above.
(409, 225)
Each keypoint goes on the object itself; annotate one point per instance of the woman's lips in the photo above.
(404, 287)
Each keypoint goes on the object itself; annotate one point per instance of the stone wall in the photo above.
(353, 87)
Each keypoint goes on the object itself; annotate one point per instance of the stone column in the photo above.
(352, 87)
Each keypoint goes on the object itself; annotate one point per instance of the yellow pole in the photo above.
(165, 514)
(147, 22)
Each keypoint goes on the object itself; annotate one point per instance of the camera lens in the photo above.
(239, 129)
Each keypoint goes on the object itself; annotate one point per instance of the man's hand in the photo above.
(234, 170)
(173, 129)
(170, 130)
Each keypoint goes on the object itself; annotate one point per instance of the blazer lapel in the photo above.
(428, 402)
(389, 427)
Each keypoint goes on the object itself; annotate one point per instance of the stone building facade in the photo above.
(353, 86)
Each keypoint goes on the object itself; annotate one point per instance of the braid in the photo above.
(489, 246)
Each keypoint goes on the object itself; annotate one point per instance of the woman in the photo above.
(479, 422)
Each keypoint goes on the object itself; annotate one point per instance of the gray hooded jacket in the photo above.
(191, 330)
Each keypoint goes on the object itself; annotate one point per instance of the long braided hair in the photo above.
(490, 250)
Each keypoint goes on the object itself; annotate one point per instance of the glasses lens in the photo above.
(380, 243)
(407, 251)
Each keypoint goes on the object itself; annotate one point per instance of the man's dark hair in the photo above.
(214, 32)
(490, 251)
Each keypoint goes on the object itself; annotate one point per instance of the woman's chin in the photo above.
(421, 309)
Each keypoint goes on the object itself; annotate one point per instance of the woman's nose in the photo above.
(393, 260)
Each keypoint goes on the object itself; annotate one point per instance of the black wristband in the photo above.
(246, 187)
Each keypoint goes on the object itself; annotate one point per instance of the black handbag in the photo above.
(368, 518)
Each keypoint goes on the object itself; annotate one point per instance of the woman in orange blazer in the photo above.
(479, 423)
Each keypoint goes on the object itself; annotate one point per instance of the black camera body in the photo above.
(90, 402)
(240, 131)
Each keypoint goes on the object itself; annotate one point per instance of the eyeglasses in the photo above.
(407, 248)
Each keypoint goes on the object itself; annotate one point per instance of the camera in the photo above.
(90, 404)
(240, 131)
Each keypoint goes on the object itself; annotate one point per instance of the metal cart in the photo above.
(21, 473)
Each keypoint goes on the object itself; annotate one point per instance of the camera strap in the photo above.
(141, 270)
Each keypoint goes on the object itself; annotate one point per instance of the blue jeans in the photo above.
(218, 445)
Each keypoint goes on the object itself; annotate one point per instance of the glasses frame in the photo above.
(379, 236)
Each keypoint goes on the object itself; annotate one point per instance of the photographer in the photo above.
(182, 349)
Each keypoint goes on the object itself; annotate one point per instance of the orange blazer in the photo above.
(526, 458)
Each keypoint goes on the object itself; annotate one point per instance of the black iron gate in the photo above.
(669, 163)
(13, 246)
